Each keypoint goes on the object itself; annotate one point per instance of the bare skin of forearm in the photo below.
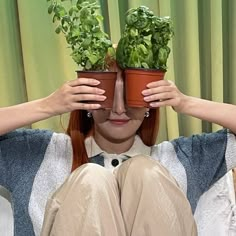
(165, 93)
(23, 114)
(68, 98)
(219, 113)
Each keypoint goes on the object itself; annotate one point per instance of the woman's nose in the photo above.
(119, 99)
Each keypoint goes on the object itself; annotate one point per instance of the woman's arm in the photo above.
(165, 93)
(219, 113)
(68, 98)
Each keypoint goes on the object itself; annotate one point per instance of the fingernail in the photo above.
(146, 99)
(102, 98)
(145, 92)
(96, 82)
(97, 106)
(101, 91)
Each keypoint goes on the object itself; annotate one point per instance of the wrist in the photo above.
(46, 108)
(184, 105)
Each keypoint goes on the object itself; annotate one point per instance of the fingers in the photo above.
(160, 83)
(84, 89)
(83, 81)
(81, 94)
(159, 90)
(163, 103)
(88, 97)
(84, 86)
(75, 95)
(160, 96)
(158, 86)
(162, 93)
(84, 106)
(67, 102)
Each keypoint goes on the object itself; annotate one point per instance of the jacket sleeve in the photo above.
(206, 158)
(21, 153)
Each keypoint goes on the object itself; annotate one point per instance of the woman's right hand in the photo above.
(72, 96)
(69, 97)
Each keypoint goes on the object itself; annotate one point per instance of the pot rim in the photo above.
(95, 71)
(145, 69)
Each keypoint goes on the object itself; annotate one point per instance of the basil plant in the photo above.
(81, 23)
(144, 42)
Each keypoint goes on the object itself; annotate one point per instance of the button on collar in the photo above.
(115, 162)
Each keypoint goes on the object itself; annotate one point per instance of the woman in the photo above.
(114, 131)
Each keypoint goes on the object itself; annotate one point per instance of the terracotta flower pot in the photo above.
(107, 82)
(136, 81)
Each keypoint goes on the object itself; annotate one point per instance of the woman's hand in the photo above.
(72, 96)
(164, 93)
(69, 97)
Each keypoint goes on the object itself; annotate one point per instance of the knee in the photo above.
(142, 168)
(140, 160)
(138, 165)
(135, 168)
(88, 181)
(91, 176)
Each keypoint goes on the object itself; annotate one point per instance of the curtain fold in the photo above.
(217, 53)
(113, 17)
(12, 78)
(47, 63)
(34, 60)
(231, 49)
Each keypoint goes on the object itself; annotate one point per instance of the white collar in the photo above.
(138, 147)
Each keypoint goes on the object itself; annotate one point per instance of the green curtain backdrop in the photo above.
(34, 61)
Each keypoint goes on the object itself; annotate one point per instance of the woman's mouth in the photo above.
(119, 121)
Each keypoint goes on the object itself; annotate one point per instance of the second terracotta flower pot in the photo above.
(107, 82)
(136, 81)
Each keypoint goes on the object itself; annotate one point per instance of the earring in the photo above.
(89, 114)
(147, 114)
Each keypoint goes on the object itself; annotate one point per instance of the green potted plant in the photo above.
(91, 47)
(143, 51)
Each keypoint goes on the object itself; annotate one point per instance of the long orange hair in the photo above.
(80, 127)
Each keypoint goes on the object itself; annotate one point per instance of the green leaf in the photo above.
(79, 2)
(73, 10)
(86, 43)
(93, 58)
(55, 18)
(50, 8)
(111, 52)
(99, 18)
(60, 10)
(133, 32)
(88, 65)
(143, 49)
(58, 29)
(131, 19)
(162, 56)
(120, 57)
(84, 12)
(145, 65)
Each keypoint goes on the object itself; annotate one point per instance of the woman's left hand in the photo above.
(164, 93)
